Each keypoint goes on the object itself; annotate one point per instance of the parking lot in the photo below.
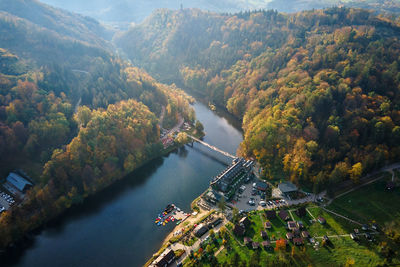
(5, 201)
(241, 201)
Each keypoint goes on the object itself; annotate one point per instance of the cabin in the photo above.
(291, 225)
(284, 215)
(301, 212)
(18, 182)
(266, 244)
(239, 230)
(164, 259)
(245, 222)
(271, 214)
(247, 240)
(305, 234)
(289, 235)
(300, 225)
(255, 245)
(321, 220)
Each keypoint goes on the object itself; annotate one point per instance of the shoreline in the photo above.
(19, 245)
(166, 241)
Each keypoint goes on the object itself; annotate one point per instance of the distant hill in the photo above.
(60, 21)
(127, 11)
(318, 91)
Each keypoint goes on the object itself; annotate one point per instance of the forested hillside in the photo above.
(318, 91)
(73, 116)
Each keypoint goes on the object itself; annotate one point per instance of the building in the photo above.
(245, 222)
(18, 182)
(268, 225)
(289, 235)
(232, 177)
(305, 234)
(255, 245)
(284, 215)
(291, 225)
(262, 186)
(271, 214)
(266, 244)
(287, 187)
(298, 241)
(239, 230)
(200, 230)
(164, 259)
(247, 240)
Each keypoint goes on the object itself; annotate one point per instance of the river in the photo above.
(116, 227)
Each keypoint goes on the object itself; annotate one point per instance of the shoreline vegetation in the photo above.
(19, 243)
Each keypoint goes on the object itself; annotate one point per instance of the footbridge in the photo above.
(212, 147)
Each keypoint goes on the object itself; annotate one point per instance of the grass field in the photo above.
(371, 203)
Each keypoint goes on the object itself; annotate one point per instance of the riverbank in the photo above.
(27, 235)
(109, 228)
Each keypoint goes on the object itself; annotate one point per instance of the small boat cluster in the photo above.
(168, 216)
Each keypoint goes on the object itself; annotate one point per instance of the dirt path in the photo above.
(341, 216)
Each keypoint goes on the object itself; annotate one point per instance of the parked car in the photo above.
(262, 203)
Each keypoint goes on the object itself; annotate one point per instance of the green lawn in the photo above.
(370, 203)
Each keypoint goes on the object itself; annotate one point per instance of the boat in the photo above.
(178, 222)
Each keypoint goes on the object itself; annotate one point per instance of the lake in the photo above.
(116, 227)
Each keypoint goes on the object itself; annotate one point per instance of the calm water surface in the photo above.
(116, 227)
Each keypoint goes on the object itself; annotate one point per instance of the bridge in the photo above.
(212, 147)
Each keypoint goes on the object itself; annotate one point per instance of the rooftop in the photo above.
(287, 187)
(18, 181)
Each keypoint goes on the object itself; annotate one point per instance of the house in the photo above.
(298, 241)
(255, 245)
(165, 258)
(200, 230)
(268, 225)
(291, 225)
(247, 240)
(364, 227)
(239, 230)
(271, 214)
(356, 231)
(305, 234)
(325, 238)
(284, 215)
(289, 235)
(18, 182)
(214, 223)
(300, 225)
(266, 244)
(245, 222)
(321, 220)
(301, 212)
(375, 227)
(264, 235)
(262, 186)
(287, 187)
